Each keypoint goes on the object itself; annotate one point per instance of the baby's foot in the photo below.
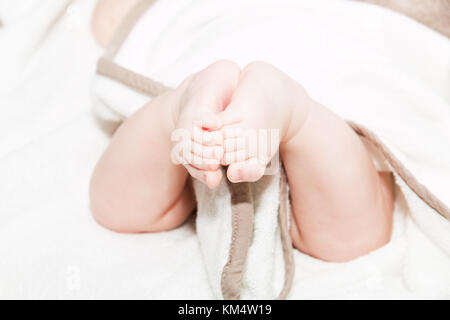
(202, 150)
(261, 117)
(249, 144)
(201, 97)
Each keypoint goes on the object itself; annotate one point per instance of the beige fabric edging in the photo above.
(130, 78)
(242, 211)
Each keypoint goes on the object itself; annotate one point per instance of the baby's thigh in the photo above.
(135, 186)
(341, 205)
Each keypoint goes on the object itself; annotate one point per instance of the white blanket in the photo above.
(49, 143)
(50, 247)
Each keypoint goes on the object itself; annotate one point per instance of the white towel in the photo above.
(369, 65)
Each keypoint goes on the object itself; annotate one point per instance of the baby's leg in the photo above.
(135, 186)
(342, 207)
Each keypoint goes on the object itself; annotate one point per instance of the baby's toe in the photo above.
(208, 152)
(207, 138)
(204, 163)
(195, 173)
(232, 131)
(249, 171)
(213, 178)
(233, 157)
(234, 144)
(210, 178)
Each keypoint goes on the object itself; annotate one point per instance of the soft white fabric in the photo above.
(49, 143)
(366, 63)
(50, 246)
(214, 220)
(30, 20)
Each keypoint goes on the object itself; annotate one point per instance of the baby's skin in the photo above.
(341, 205)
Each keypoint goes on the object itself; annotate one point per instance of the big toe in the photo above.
(247, 171)
(213, 178)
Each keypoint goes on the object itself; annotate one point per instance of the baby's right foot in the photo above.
(266, 110)
(202, 150)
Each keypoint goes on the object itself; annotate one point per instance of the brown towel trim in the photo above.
(130, 78)
(242, 218)
(242, 230)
